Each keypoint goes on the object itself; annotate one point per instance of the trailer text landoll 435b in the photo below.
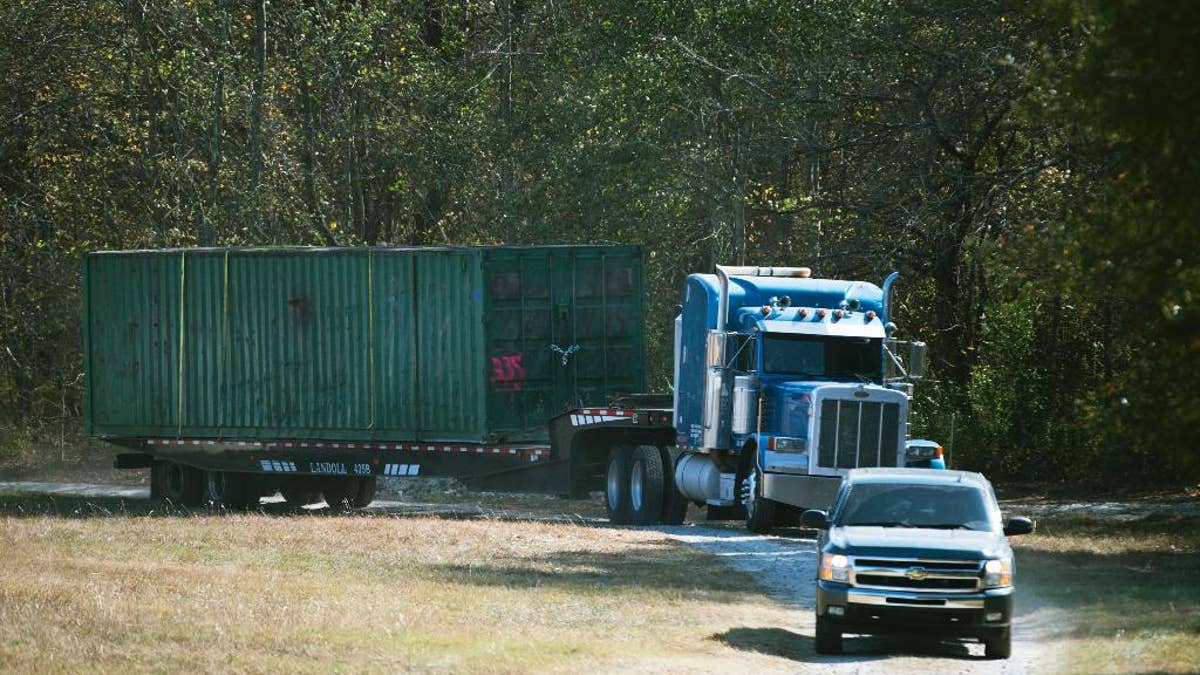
(233, 373)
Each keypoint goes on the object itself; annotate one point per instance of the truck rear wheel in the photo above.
(828, 639)
(675, 505)
(337, 491)
(646, 485)
(616, 485)
(300, 491)
(365, 494)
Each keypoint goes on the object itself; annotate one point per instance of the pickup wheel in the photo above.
(616, 485)
(829, 638)
(365, 494)
(675, 505)
(646, 485)
(999, 647)
(760, 512)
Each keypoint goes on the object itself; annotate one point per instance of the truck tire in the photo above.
(646, 485)
(675, 505)
(616, 485)
(999, 647)
(828, 639)
(230, 490)
(180, 484)
(365, 494)
(760, 512)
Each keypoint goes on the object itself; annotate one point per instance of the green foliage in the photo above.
(1028, 167)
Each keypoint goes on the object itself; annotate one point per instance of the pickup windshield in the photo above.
(839, 358)
(929, 506)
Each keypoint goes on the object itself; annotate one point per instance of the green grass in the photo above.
(1120, 596)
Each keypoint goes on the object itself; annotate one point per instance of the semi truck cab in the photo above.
(782, 387)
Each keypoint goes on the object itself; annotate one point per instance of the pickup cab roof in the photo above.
(904, 476)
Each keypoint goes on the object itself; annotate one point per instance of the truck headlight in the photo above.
(997, 572)
(835, 567)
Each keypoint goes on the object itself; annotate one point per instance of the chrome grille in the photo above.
(857, 433)
(907, 574)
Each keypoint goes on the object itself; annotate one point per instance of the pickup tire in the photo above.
(616, 485)
(646, 485)
(828, 639)
(365, 494)
(760, 512)
(999, 647)
(675, 505)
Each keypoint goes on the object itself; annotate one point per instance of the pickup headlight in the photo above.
(835, 567)
(997, 573)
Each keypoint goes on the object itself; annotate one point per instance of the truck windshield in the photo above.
(838, 358)
(953, 507)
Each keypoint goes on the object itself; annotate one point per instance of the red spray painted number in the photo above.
(507, 372)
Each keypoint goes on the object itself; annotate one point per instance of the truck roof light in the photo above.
(837, 314)
(820, 314)
(870, 316)
(766, 310)
(939, 451)
(802, 313)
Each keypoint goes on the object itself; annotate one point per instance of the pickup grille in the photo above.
(950, 576)
(857, 433)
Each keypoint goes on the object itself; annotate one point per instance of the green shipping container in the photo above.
(448, 344)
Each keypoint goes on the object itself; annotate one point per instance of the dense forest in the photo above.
(1030, 167)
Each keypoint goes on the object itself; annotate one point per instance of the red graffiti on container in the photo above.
(507, 372)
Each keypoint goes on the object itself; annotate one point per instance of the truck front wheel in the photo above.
(760, 511)
(616, 485)
(646, 485)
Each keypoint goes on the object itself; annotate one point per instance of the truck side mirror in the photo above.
(815, 519)
(916, 360)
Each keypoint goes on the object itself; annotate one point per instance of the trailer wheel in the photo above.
(230, 490)
(365, 494)
(337, 491)
(616, 485)
(646, 485)
(300, 492)
(180, 484)
(675, 505)
(760, 511)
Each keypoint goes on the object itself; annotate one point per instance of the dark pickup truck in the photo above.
(915, 551)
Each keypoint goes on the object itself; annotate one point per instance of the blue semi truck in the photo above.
(783, 383)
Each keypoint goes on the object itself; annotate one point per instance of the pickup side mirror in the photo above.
(1018, 525)
(815, 519)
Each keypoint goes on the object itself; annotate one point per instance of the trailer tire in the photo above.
(336, 491)
(300, 492)
(616, 490)
(365, 494)
(675, 505)
(230, 490)
(646, 485)
(180, 484)
(760, 511)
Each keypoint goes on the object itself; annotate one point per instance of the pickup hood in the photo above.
(916, 542)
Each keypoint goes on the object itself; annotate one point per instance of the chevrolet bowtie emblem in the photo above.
(916, 573)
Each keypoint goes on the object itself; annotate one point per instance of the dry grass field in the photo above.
(1115, 596)
(90, 585)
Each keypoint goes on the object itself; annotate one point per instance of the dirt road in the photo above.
(784, 565)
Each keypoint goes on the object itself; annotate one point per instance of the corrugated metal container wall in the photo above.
(470, 344)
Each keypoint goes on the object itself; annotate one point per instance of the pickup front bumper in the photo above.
(981, 615)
